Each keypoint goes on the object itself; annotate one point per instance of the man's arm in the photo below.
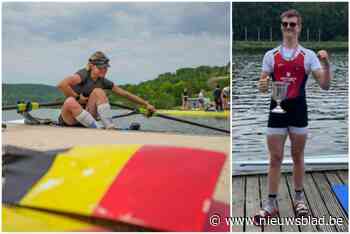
(119, 91)
(324, 75)
(264, 82)
(65, 86)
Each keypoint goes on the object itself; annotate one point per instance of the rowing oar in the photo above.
(25, 107)
(143, 111)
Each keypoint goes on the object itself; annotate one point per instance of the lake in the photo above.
(147, 124)
(328, 111)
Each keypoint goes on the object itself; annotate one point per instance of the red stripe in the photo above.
(94, 229)
(221, 210)
(164, 188)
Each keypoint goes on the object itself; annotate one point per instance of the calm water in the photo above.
(328, 111)
(147, 124)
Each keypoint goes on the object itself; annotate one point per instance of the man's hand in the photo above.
(264, 84)
(324, 58)
(324, 75)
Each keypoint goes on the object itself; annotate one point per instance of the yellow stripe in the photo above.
(27, 220)
(79, 178)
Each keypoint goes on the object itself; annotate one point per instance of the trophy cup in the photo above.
(279, 93)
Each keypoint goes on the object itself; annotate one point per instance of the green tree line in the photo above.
(329, 20)
(164, 92)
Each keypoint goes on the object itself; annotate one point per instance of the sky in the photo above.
(46, 42)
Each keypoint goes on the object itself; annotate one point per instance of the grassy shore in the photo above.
(262, 46)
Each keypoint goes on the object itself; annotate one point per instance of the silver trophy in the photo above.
(279, 93)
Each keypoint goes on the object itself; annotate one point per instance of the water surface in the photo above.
(328, 111)
(147, 124)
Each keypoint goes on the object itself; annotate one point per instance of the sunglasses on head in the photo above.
(291, 24)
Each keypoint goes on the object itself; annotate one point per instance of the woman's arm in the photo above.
(119, 91)
(65, 86)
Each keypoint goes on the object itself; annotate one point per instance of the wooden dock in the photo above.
(249, 191)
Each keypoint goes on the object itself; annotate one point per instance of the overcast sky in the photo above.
(44, 42)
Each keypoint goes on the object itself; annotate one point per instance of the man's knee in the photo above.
(276, 159)
(298, 159)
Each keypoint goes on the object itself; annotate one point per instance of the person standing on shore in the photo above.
(185, 99)
(290, 63)
(201, 99)
(225, 96)
(217, 98)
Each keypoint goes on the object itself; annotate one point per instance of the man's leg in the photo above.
(72, 113)
(276, 138)
(98, 105)
(298, 137)
(275, 142)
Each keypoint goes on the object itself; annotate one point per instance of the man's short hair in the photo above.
(292, 13)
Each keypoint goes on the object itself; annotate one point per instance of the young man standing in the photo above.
(290, 63)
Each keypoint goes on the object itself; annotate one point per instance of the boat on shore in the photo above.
(312, 163)
(30, 214)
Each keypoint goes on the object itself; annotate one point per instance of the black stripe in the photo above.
(22, 169)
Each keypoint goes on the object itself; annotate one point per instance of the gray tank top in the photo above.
(87, 85)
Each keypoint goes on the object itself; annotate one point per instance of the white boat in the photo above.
(312, 163)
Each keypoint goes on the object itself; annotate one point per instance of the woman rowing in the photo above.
(86, 97)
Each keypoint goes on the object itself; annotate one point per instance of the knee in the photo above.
(276, 160)
(98, 92)
(71, 103)
(297, 154)
(298, 160)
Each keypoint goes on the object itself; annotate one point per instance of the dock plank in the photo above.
(264, 195)
(318, 197)
(344, 176)
(238, 197)
(316, 202)
(303, 228)
(285, 205)
(252, 201)
(333, 179)
(331, 203)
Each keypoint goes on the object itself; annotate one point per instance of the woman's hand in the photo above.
(150, 110)
(82, 99)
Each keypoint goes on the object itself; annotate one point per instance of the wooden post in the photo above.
(270, 33)
(319, 35)
(258, 34)
(307, 34)
(246, 33)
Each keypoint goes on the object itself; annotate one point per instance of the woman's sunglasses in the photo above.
(291, 24)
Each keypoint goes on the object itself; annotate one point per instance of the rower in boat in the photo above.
(86, 98)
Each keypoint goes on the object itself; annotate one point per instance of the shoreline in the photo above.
(263, 46)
